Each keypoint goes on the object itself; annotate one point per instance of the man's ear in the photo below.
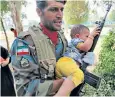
(77, 36)
(39, 11)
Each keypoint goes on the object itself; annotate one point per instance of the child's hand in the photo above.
(95, 32)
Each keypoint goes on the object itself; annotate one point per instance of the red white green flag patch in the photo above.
(22, 50)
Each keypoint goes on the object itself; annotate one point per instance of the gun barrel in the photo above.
(101, 27)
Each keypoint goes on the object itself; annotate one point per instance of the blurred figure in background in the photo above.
(7, 83)
(14, 31)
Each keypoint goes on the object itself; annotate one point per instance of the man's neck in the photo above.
(53, 35)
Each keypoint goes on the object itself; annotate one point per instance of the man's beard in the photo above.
(52, 28)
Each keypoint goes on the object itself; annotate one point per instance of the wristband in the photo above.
(91, 37)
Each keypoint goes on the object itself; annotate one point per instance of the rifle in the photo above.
(90, 78)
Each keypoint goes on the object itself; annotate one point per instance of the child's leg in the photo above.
(66, 88)
(56, 85)
(67, 67)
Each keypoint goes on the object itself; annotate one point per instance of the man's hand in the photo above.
(4, 56)
(1, 60)
(4, 62)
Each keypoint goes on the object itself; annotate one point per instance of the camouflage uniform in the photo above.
(34, 58)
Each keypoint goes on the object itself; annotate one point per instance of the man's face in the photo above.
(52, 15)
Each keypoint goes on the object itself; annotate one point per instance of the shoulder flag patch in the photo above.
(22, 50)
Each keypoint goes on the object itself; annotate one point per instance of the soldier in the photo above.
(34, 53)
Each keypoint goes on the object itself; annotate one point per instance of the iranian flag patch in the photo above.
(22, 50)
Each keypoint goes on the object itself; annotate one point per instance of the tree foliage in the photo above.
(107, 54)
(15, 8)
(97, 6)
(4, 7)
(112, 15)
(75, 12)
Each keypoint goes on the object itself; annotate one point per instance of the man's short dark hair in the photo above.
(41, 4)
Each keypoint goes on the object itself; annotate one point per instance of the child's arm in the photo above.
(88, 43)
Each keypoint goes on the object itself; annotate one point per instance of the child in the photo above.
(68, 66)
(7, 83)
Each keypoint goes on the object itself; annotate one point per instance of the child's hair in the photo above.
(76, 29)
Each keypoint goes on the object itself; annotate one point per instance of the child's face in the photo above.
(84, 34)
